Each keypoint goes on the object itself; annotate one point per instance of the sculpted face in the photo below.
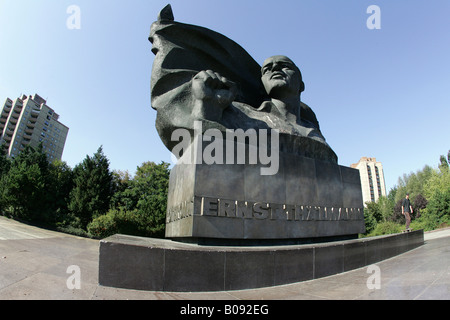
(281, 77)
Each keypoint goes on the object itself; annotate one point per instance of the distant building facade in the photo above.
(28, 120)
(372, 179)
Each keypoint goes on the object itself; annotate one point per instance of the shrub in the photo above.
(104, 225)
(122, 221)
(387, 227)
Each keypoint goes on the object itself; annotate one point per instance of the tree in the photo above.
(61, 178)
(5, 164)
(152, 183)
(140, 207)
(397, 215)
(374, 210)
(369, 221)
(92, 190)
(386, 206)
(443, 165)
(419, 204)
(413, 183)
(124, 196)
(438, 195)
(26, 185)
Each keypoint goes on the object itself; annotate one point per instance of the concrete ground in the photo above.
(36, 264)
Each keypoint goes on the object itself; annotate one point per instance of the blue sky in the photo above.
(377, 93)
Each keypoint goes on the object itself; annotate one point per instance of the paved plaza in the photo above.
(37, 264)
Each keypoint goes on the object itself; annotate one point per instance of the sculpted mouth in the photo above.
(277, 76)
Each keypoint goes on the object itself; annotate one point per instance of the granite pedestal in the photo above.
(304, 199)
(164, 265)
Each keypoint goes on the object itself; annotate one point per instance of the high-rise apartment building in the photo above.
(372, 179)
(28, 120)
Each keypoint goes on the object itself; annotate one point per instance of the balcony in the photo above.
(11, 127)
(17, 108)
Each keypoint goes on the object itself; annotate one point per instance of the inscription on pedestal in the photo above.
(226, 208)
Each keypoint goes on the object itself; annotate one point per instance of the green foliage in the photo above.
(437, 192)
(152, 184)
(413, 183)
(25, 186)
(369, 220)
(429, 191)
(118, 221)
(386, 227)
(140, 204)
(92, 189)
(380, 211)
(89, 200)
(5, 164)
(374, 211)
(105, 225)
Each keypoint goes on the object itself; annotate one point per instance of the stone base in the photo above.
(306, 198)
(164, 265)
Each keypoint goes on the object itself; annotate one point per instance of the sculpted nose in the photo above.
(276, 67)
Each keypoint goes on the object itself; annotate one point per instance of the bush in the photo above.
(421, 224)
(123, 222)
(369, 220)
(104, 225)
(387, 227)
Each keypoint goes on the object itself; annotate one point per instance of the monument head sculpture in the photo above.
(201, 75)
(224, 111)
(280, 76)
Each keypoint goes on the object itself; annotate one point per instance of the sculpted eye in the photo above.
(266, 69)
